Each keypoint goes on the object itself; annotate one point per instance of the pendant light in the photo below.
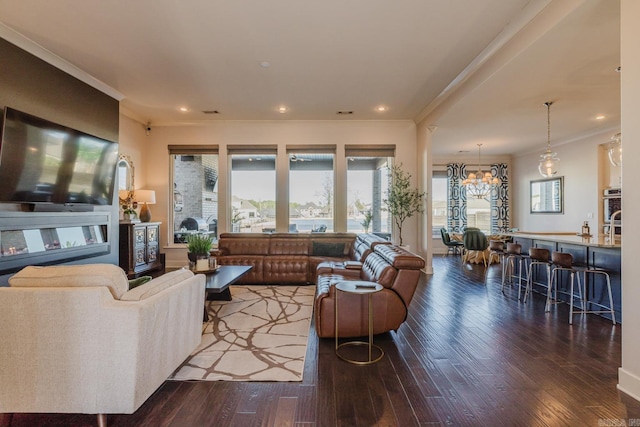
(548, 166)
(615, 150)
(479, 184)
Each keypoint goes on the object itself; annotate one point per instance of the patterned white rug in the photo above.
(260, 335)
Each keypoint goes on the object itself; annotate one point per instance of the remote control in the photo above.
(365, 286)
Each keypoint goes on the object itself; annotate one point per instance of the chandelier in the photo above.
(479, 184)
(615, 150)
(548, 166)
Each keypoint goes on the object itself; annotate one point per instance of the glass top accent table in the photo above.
(366, 289)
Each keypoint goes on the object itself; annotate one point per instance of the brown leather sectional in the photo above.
(292, 258)
(391, 266)
(284, 258)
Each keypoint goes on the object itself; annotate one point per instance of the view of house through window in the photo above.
(311, 188)
(367, 185)
(252, 189)
(195, 195)
(253, 192)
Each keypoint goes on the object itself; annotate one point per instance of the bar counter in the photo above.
(600, 241)
(595, 251)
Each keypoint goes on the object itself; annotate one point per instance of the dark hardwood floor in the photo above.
(467, 355)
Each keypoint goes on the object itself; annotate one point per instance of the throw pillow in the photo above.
(328, 249)
(157, 285)
(134, 283)
(108, 275)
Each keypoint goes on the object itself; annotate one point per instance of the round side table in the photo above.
(361, 288)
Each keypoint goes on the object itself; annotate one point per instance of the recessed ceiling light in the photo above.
(381, 108)
(282, 109)
(265, 64)
(600, 117)
(183, 109)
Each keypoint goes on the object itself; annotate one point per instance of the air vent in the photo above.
(344, 113)
(211, 112)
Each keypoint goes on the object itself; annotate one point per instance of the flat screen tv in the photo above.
(46, 163)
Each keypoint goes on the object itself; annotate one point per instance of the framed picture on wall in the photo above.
(546, 196)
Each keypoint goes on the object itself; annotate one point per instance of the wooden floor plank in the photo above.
(468, 354)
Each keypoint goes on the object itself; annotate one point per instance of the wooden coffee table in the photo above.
(219, 280)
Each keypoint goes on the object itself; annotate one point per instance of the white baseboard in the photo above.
(629, 384)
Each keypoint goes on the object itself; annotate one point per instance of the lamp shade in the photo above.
(145, 196)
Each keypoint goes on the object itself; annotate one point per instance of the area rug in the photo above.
(260, 335)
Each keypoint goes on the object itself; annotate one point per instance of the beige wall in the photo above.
(154, 167)
(580, 163)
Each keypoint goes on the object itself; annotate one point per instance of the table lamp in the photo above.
(145, 197)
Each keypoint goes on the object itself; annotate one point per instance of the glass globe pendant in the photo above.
(615, 150)
(548, 166)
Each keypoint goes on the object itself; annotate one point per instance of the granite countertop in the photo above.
(601, 241)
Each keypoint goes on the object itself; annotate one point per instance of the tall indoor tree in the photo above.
(403, 201)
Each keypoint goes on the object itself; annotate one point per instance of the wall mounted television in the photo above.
(53, 167)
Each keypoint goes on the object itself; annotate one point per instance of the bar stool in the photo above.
(538, 256)
(496, 247)
(586, 302)
(563, 262)
(513, 253)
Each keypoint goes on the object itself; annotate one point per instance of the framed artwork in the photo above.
(546, 196)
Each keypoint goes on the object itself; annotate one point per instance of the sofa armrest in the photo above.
(337, 268)
(166, 328)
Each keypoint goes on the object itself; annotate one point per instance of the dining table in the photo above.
(476, 257)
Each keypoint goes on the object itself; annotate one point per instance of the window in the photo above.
(253, 189)
(479, 214)
(439, 197)
(311, 189)
(367, 185)
(195, 192)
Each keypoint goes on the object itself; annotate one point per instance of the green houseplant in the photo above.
(198, 246)
(403, 201)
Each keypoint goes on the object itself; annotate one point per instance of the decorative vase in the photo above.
(202, 263)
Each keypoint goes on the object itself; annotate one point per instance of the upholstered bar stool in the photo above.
(586, 302)
(496, 247)
(562, 261)
(538, 256)
(513, 253)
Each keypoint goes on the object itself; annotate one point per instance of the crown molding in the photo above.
(28, 45)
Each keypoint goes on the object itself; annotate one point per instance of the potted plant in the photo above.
(368, 216)
(199, 249)
(403, 201)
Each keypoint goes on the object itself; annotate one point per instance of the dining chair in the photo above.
(474, 239)
(453, 246)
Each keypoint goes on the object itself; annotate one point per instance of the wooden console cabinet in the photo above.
(139, 247)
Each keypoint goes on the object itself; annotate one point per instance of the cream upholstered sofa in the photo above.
(74, 339)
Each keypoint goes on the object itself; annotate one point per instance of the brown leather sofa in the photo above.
(396, 269)
(289, 258)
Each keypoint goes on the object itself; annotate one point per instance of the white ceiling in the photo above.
(351, 55)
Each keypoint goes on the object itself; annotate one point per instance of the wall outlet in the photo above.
(589, 215)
